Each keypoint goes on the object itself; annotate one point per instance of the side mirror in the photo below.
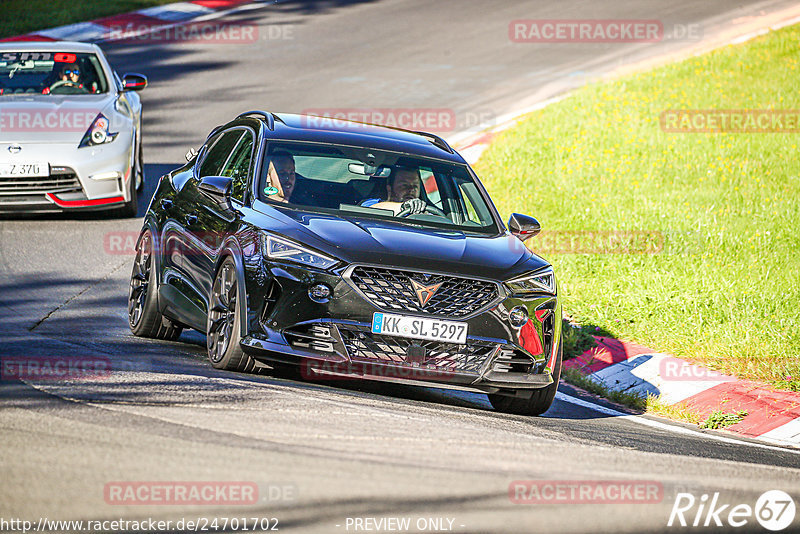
(134, 82)
(218, 189)
(523, 226)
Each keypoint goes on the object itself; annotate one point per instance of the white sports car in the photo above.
(70, 130)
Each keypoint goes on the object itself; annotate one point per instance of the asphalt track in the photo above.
(346, 449)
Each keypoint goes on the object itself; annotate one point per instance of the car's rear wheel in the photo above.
(143, 316)
(538, 403)
(224, 322)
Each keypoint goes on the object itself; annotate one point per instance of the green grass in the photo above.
(725, 288)
(721, 419)
(576, 340)
(25, 16)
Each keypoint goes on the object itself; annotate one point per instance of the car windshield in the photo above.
(364, 182)
(50, 73)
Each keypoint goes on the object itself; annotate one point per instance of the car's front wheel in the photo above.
(143, 316)
(538, 403)
(224, 322)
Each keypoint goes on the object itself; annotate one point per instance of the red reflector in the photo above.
(64, 58)
(529, 338)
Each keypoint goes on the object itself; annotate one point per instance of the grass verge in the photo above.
(25, 16)
(720, 419)
(650, 404)
(716, 280)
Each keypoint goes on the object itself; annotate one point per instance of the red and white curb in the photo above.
(135, 23)
(773, 416)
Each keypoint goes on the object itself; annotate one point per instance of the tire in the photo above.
(143, 316)
(538, 403)
(224, 322)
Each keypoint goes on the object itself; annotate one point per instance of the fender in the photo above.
(231, 248)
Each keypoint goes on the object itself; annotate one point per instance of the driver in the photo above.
(71, 75)
(402, 193)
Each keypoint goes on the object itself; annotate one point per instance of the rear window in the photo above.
(47, 73)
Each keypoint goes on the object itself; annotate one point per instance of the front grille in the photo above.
(392, 290)
(57, 182)
(364, 346)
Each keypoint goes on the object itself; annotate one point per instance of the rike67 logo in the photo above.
(774, 510)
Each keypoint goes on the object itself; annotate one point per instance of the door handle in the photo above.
(191, 219)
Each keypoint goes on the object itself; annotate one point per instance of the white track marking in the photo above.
(664, 426)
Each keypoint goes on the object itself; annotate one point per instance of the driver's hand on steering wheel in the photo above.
(414, 205)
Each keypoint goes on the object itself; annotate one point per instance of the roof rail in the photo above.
(215, 130)
(270, 117)
(436, 140)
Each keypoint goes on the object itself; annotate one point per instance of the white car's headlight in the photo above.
(542, 281)
(277, 248)
(98, 132)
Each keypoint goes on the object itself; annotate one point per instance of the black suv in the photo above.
(349, 250)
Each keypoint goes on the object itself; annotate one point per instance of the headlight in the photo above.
(98, 132)
(277, 248)
(544, 280)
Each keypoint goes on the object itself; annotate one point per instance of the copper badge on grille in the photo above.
(424, 293)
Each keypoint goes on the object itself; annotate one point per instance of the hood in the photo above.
(355, 240)
(50, 118)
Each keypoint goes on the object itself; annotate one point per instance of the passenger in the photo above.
(281, 177)
(402, 193)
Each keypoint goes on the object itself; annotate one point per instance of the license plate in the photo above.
(419, 328)
(10, 170)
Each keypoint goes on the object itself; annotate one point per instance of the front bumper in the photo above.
(89, 178)
(333, 339)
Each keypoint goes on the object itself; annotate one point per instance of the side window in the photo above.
(238, 166)
(218, 154)
(470, 195)
(431, 187)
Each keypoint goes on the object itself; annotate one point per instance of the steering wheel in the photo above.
(433, 210)
(64, 83)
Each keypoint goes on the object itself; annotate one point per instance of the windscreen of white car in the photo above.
(50, 73)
